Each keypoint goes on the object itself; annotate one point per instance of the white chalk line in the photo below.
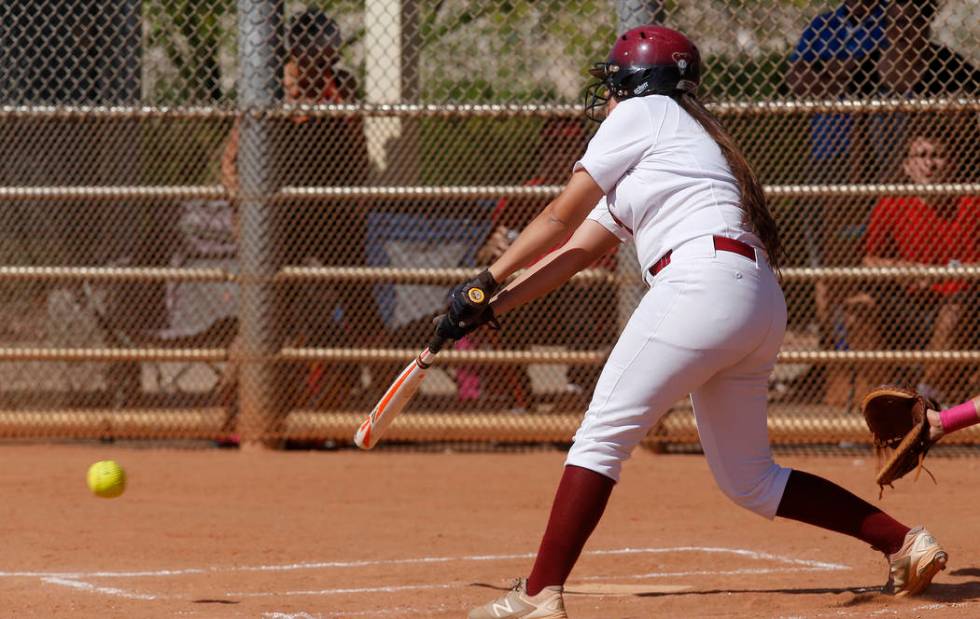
(417, 561)
(359, 613)
(738, 572)
(452, 585)
(388, 589)
(807, 566)
(86, 586)
(73, 579)
(866, 612)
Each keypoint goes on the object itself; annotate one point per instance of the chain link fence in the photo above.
(236, 220)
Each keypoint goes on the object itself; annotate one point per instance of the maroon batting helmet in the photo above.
(648, 60)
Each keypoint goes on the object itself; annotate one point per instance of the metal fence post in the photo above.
(630, 14)
(633, 13)
(260, 28)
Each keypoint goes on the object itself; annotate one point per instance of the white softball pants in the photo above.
(710, 326)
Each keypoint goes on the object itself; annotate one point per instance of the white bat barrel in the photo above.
(396, 398)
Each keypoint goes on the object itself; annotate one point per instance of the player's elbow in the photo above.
(555, 218)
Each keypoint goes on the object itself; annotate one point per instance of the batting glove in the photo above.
(469, 300)
(450, 329)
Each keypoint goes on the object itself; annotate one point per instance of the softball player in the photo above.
(663, 171)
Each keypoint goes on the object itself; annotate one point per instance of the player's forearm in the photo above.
(552, 227)
(544, 276)
(545, 231)
(590, 242)
(957, 417)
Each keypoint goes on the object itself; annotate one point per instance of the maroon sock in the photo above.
(579, 503)
(816, 501)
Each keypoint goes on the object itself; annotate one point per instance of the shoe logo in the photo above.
(924, 542)
(498, 608)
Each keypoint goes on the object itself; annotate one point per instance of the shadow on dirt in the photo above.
(944, 592)
(954, 591)
(966, 571)
(861, 594)
(857, 591)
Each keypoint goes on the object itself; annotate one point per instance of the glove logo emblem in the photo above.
(476, 295)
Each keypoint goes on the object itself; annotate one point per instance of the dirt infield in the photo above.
(349, 534)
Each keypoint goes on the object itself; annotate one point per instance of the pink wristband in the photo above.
(959, 417)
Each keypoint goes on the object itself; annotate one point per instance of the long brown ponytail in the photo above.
(753, 198)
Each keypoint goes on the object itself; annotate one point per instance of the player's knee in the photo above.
(602, 458)
(759, 493)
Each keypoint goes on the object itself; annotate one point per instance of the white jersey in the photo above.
(710, 327)
(666, 180)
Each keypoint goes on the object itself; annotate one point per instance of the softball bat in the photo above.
(397, 397)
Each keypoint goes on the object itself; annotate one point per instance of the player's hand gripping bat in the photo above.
(397, 397)
(469, 308)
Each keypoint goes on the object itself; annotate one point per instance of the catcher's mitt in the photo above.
(896, 417)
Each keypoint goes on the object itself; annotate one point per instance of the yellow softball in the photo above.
(106, 479)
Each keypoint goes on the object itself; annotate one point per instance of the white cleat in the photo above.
(916, 563)
(517, 604)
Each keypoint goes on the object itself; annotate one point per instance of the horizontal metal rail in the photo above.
(880, 356)
(547, 191)
(403, 193)
(451, 357)
(448, 426)
(113, 274)
(875, 273)
(855, 106)
(114, 112)
(114, 354)
(786, 426)
(425, 276)
(130, 193)
(679, 426)
(870, 190)
(455, 357)
(484, 110)
(170, 423)
(449, 276)
(439, 276)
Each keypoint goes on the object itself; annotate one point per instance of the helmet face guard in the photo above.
(598, 92)
(648, 60)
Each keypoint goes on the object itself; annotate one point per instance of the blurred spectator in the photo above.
(581, 317)
(909, 231)
(316, 151)
(835, 58)
(912, 65)
(324, 151)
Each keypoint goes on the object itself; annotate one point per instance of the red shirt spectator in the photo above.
(910, 230)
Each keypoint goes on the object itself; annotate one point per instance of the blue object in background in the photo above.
(409, 240)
